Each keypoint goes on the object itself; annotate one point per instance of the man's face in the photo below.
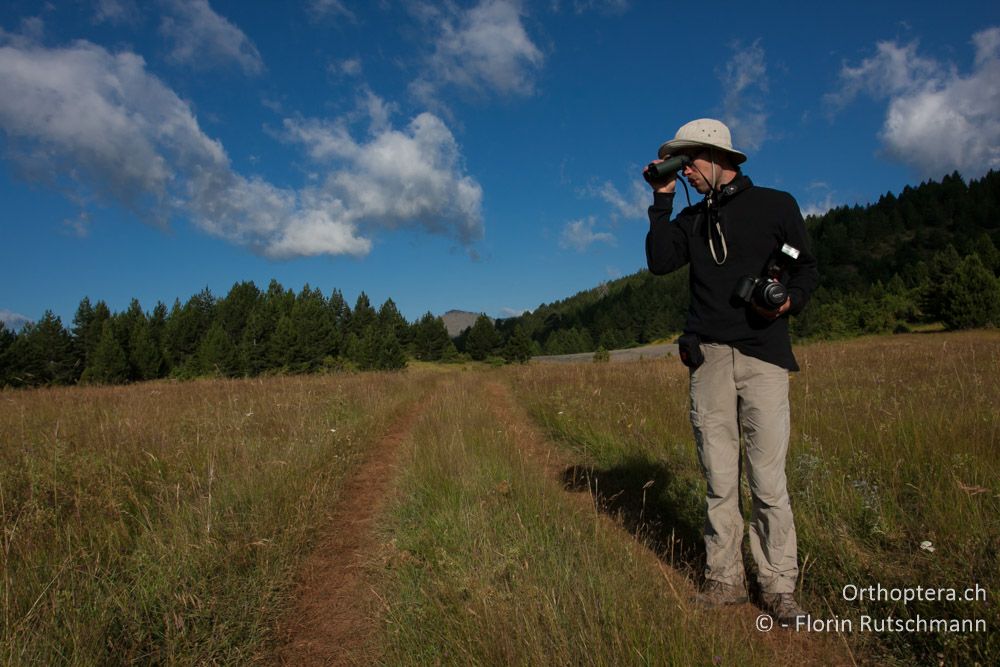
(699, 170)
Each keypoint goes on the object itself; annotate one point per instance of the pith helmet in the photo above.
(703, 132)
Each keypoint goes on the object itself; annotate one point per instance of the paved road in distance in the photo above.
(631, 354)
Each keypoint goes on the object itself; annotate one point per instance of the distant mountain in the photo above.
(457, 321)
(13, 321)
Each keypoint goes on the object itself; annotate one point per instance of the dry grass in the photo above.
(163, 522)
(489, 561)
(894, 443)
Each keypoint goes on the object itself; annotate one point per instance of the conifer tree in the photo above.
(187, 325)
(972, 297)
(108, 364)
(127, 321)
(362, 316)
(483, 339)
(340, 316)
(518, 346)
(281, 347)
(430, 339)
(280, 299)
(391, 321)
(7, 339)
(88, 324)
(83, 340)
(144, 358)
(352, 351)
(940, 271)
(172, 344)
(988, 253)
(51, 346)
(365, 352)
(216, 354)
(253, 347)
(125, 325)
(314, 331)
(233, 311)
(157, 328)
(390, 355)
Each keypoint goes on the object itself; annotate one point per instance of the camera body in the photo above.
(767, 291)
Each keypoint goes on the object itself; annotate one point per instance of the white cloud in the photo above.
(745, 85)
(396, 177)
(825, 201)
(484, 49)
(817, 208)
(580, 235)
(346, 67)
(97, 125)
(987, 43)
(199, 34)
(632, 205)
(603, 6)
(324, 8)
(13, 321)
(893, 70)
(78, 226)
(116, 11)
(97, 120)
(33, 28)
(317, 230)
(937, 119)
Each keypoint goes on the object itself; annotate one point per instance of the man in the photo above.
(739, 354)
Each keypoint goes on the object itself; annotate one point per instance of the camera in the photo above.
(767, 291)
(658, 171)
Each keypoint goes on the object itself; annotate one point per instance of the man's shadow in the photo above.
(652, 503)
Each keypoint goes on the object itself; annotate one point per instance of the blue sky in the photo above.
(481, 155)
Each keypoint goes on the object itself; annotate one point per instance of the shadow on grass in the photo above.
(652, 503)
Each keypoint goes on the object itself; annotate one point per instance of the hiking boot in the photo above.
(783, 608)
(717, 594)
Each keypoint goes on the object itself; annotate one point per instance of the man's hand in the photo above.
(774, 314)
(667, 185)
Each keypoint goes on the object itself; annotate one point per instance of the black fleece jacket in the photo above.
(754, 221)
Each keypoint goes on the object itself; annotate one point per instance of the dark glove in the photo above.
(689, 347)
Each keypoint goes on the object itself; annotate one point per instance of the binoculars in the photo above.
(658, 171)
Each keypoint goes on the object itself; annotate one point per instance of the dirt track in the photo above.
(334, 610)
(632, 354)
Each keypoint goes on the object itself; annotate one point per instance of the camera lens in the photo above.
(771, 295)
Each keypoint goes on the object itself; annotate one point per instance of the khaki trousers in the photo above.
(733, 393)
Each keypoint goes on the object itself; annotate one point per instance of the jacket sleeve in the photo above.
(666, 242)
(803, 275)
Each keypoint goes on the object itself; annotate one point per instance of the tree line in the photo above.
(927, 256)
(248, 332)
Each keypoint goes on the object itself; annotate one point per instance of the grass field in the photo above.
(163, 522)
(167, 522)
(895, 443)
